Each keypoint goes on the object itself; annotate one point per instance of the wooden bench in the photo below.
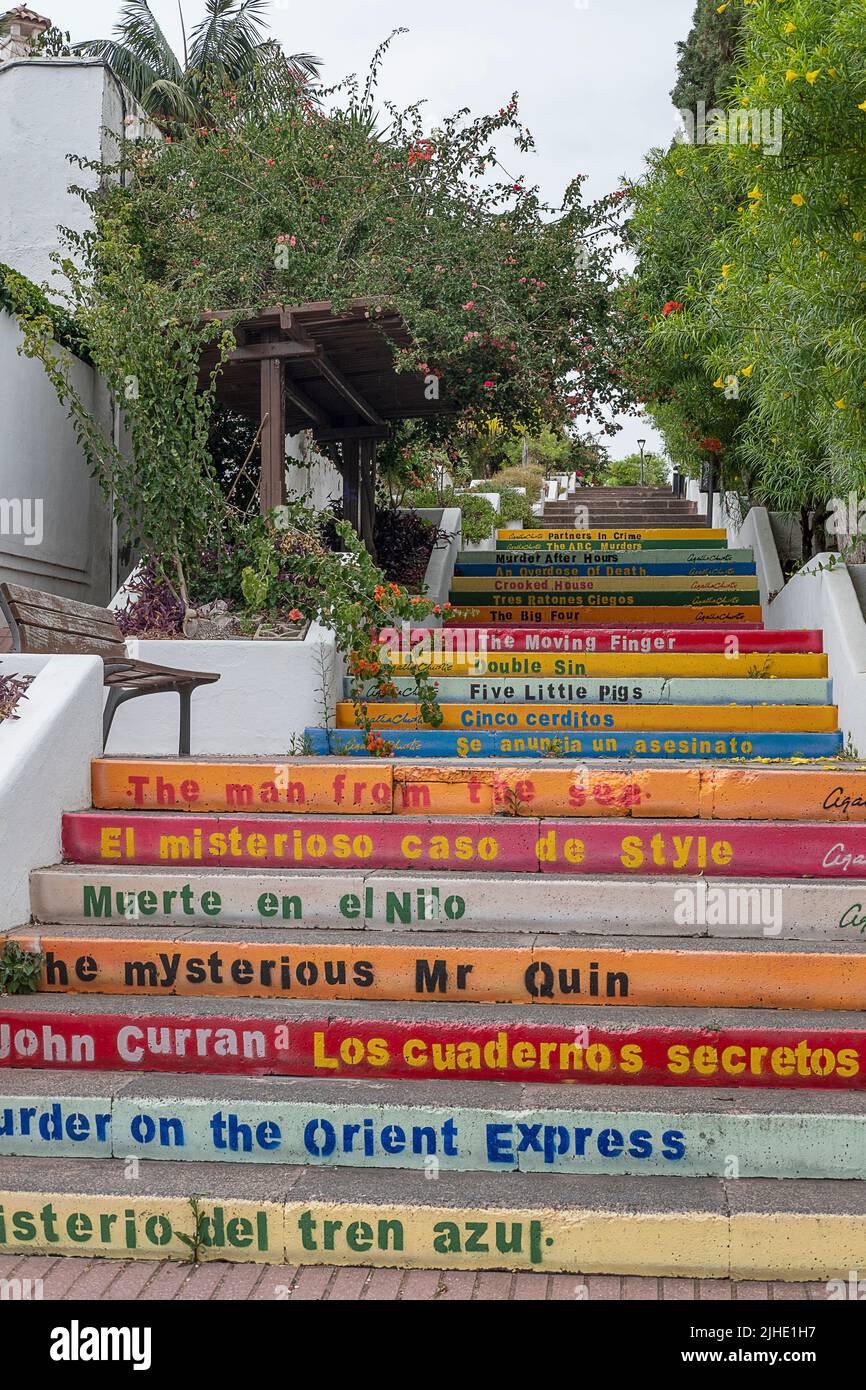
(43, 623)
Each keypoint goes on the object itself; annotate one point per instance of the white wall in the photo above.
(45, 758)
(268, 693)
(823, 597)
(49, 109)
(40, 459)
(313, 479)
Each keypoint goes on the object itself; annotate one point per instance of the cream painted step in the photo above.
(347, 902)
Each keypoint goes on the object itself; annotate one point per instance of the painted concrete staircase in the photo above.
(574, 982)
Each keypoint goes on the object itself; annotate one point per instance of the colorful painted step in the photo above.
(721, 616)
(666, 665)
(728, 849)
(670, 588)
(493, 969)
(634, 535)
(812, 910)
(658, 690)
(577, 717)
(299, 1122)
(513, 568)
(580, 1224)
(673, 744)
(738, 1048)
(550, 641)
(540, 789)
(652, 561)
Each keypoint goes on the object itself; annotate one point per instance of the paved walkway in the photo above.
(66, 1278)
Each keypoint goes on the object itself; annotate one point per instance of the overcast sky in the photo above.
(594, 76)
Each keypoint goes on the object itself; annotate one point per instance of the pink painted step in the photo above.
(679, 639)
(677, 849)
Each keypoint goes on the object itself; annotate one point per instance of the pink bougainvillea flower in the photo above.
(470, 304)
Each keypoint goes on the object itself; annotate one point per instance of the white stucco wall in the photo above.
(40, 460)
(45, 757)
(50, 109)
(268, 693)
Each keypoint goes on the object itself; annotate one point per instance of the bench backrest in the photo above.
(45, 623)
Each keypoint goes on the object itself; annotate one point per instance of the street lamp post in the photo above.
(641, 445)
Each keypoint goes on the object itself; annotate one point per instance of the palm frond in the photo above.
(139, 52)
(229, 36)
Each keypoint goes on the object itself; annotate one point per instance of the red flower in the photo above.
(711, 445)
(673, 306)
(295, 616)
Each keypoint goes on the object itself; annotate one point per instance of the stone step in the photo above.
(722, 616)
(547, 788)
(499, 1127)
(658, 690)
(599, 719)
(494, 968)
(786, 1229)
(372, 1041)
(555, 641)
(812, 910)
(727, 849)
(423, 744)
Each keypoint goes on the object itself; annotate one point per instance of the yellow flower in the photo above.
(726, 270)
(720, 9)
(754, 194)
(822, 255)
(791, 75)
(789, 27)
(679, 173)
(747, 371)
(797, 199)
(858, 236)
(719, 384)
(862, 106)
(812, 77)
(840, 404)
(831, 72)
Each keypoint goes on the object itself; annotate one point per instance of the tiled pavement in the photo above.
(66, 1278)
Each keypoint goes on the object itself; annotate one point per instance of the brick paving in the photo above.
(104, 1281)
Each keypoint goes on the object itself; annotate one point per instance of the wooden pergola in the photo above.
(308, 368)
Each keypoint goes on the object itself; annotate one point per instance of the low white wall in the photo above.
(819, 597)
(267, 694)
(45, 758)
(440, 568)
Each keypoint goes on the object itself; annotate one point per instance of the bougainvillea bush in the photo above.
(510, 305)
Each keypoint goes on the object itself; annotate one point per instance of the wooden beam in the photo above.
(351, 470)
(367, 526)
(262, 352)
(306, 405)
(272, 483)
(345, 388)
